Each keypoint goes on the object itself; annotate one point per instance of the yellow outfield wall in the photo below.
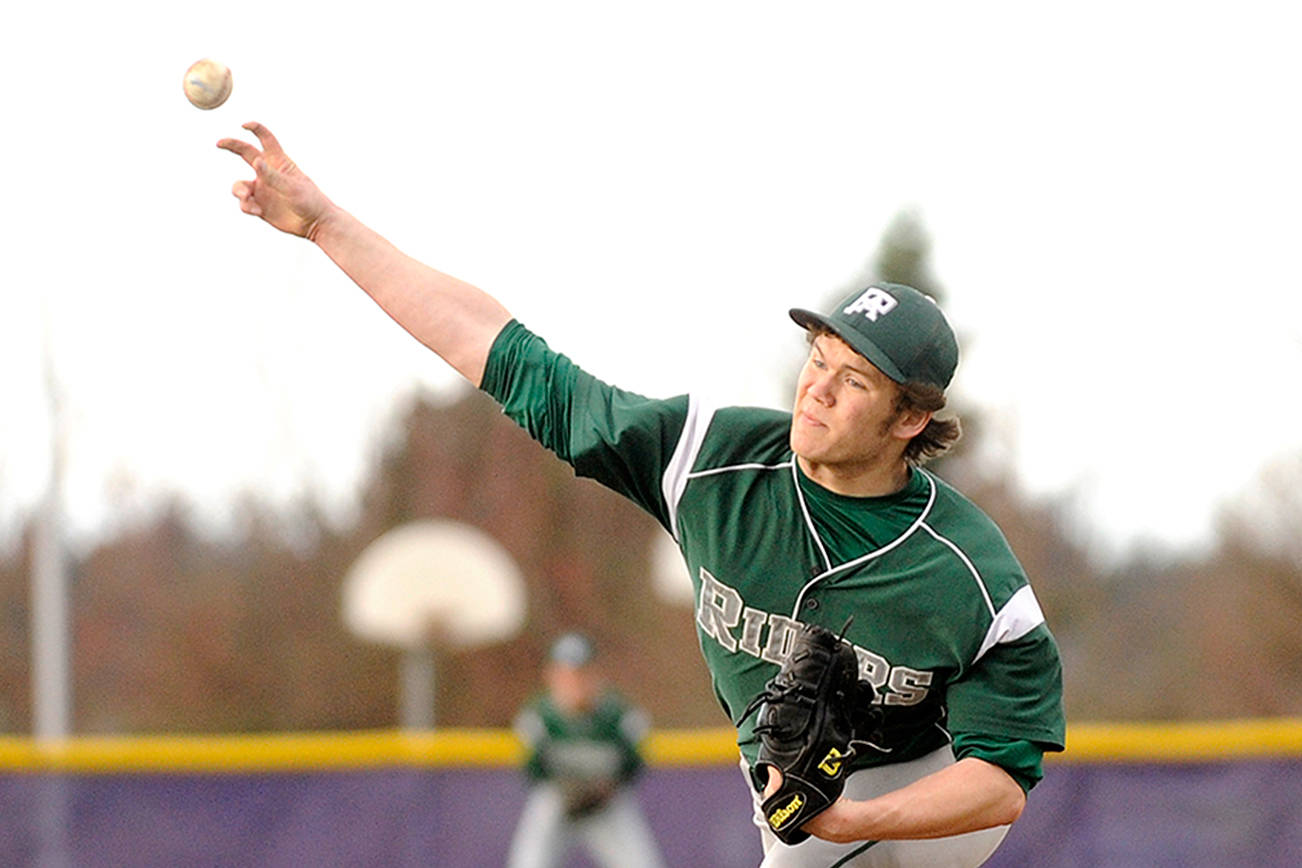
(497, 748)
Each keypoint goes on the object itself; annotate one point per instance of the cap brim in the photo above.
(808, 319)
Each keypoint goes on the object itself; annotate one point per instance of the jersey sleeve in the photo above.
(1022, 759)
(618, 438)
(630, 728)
(1013, 693)
(532, 732)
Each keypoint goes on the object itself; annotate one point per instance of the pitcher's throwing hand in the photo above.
(280, 194)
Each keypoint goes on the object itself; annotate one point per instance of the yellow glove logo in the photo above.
(831, 764)
(781, 815)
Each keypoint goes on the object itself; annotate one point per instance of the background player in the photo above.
(583, 740)
(809, 515)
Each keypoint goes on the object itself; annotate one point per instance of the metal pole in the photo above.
(51, 696)
(416, 693)
(51, 693)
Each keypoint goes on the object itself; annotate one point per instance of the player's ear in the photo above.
(910, 423)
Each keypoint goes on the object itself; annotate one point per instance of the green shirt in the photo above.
(945, 625)
(597, 744)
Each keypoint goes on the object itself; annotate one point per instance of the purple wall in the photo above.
(403, 817)
(1116, 815)
(1191, 815)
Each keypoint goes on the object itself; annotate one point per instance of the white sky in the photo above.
(1112, 191)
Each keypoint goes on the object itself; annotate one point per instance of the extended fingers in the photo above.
(269, 141)
(244, 149)
(270, 145)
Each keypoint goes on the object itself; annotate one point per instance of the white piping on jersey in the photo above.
(971, 567)
(809, 523)
(731, 467)
(674, 480)
(876, 553)
(1019, 616)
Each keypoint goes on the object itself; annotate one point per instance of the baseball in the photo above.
(207, 83)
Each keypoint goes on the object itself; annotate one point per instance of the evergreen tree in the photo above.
(903, 255)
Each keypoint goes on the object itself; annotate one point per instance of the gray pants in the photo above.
(959, 851)
(616, 836)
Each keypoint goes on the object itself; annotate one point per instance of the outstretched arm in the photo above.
(451, 317)
(972, 794)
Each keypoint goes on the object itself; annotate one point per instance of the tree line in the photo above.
(176, 631)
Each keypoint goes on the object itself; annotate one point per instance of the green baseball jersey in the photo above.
(599, 744)
(944, 623)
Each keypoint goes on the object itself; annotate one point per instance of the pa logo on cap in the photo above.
(874, 302)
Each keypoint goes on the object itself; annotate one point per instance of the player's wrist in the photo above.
(844, 822)
(327, 224)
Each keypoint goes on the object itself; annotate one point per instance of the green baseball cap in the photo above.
(897, 328)
(572, 650)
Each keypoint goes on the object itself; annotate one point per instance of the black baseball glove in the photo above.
(583, 798)
(815, 716)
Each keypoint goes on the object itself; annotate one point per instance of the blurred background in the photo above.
(177, 625)
(205, 425)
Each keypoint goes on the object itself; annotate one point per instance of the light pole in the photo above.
(51, 690)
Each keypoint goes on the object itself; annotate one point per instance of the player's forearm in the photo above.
(971, 794)
(451, 317)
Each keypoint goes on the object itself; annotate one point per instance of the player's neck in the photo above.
(858, 479)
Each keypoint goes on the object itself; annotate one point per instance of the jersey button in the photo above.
(811, 604)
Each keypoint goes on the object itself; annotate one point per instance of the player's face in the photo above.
(845, 420)
(573, 688)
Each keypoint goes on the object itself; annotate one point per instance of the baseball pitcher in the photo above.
(866, 628)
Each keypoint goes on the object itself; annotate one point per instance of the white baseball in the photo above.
(207, 83)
